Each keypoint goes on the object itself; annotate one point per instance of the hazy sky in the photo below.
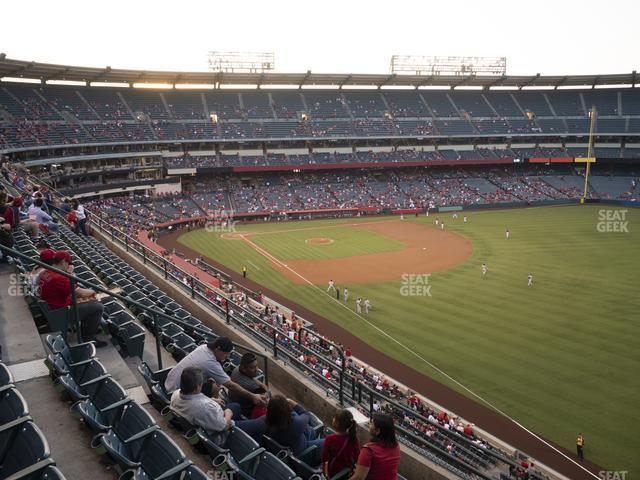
(550, 37)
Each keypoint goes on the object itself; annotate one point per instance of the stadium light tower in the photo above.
(241, 62)
(454, 66)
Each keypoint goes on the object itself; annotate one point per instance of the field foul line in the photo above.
(420, 357)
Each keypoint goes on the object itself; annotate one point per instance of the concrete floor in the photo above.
(68, 439)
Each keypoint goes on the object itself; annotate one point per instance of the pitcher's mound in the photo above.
(319, 241)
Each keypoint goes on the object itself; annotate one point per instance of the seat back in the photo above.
(272, 468)
(159, 454)
(304, 470)
(240, 444)
(27, 447)
(147, 374)
(69, 388)
(192, 473)
(89, 371)
(56, 344)
(12, 406)
(106, 392)
(57, 365)
(5, 375)
(133, 419)
(274, 447)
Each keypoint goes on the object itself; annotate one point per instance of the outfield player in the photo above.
(484, 270)
(331, 286)
(367, 306)
(346, 294)
(464, 219)
(507, 233)
(530, 280)
(358, 305)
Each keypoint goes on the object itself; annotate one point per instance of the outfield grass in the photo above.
(562, 357)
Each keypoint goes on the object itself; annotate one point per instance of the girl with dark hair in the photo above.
(340, 450)
(288, 424)
(379, 459)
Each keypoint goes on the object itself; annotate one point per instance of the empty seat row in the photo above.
(123, 429)
(24, 450)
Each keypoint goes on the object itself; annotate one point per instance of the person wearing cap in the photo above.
(46, 256)
(55, 289)
(209, 359)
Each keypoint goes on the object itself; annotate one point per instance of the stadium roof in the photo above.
(45, 72)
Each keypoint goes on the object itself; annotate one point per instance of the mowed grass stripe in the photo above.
(560, 357)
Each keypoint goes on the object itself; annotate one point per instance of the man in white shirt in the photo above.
(209, 359)
(191, 404)
(40, 216)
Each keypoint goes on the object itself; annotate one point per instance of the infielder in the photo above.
(346, 294)
(331, 286)
(358, 305)
(367, 306)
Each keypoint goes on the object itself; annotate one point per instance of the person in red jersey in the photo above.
(379, 459)
(55, 289)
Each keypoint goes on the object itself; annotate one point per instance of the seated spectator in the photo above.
(46, 256)
(379, 459)
(288, 424)
(245, 375)
(200, 410)
(340, 449)
(29, 225)
(41, 217)
(55, 289)
(209, 359)
(6, 210)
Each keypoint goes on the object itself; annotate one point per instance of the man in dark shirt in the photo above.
(245, 375)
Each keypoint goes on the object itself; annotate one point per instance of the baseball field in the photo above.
(561, 357)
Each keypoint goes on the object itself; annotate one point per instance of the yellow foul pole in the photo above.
(593, 114)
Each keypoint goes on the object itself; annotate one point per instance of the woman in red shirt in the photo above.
(379, 459)
(341, 449)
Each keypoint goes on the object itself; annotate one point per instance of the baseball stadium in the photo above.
(449, 260)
